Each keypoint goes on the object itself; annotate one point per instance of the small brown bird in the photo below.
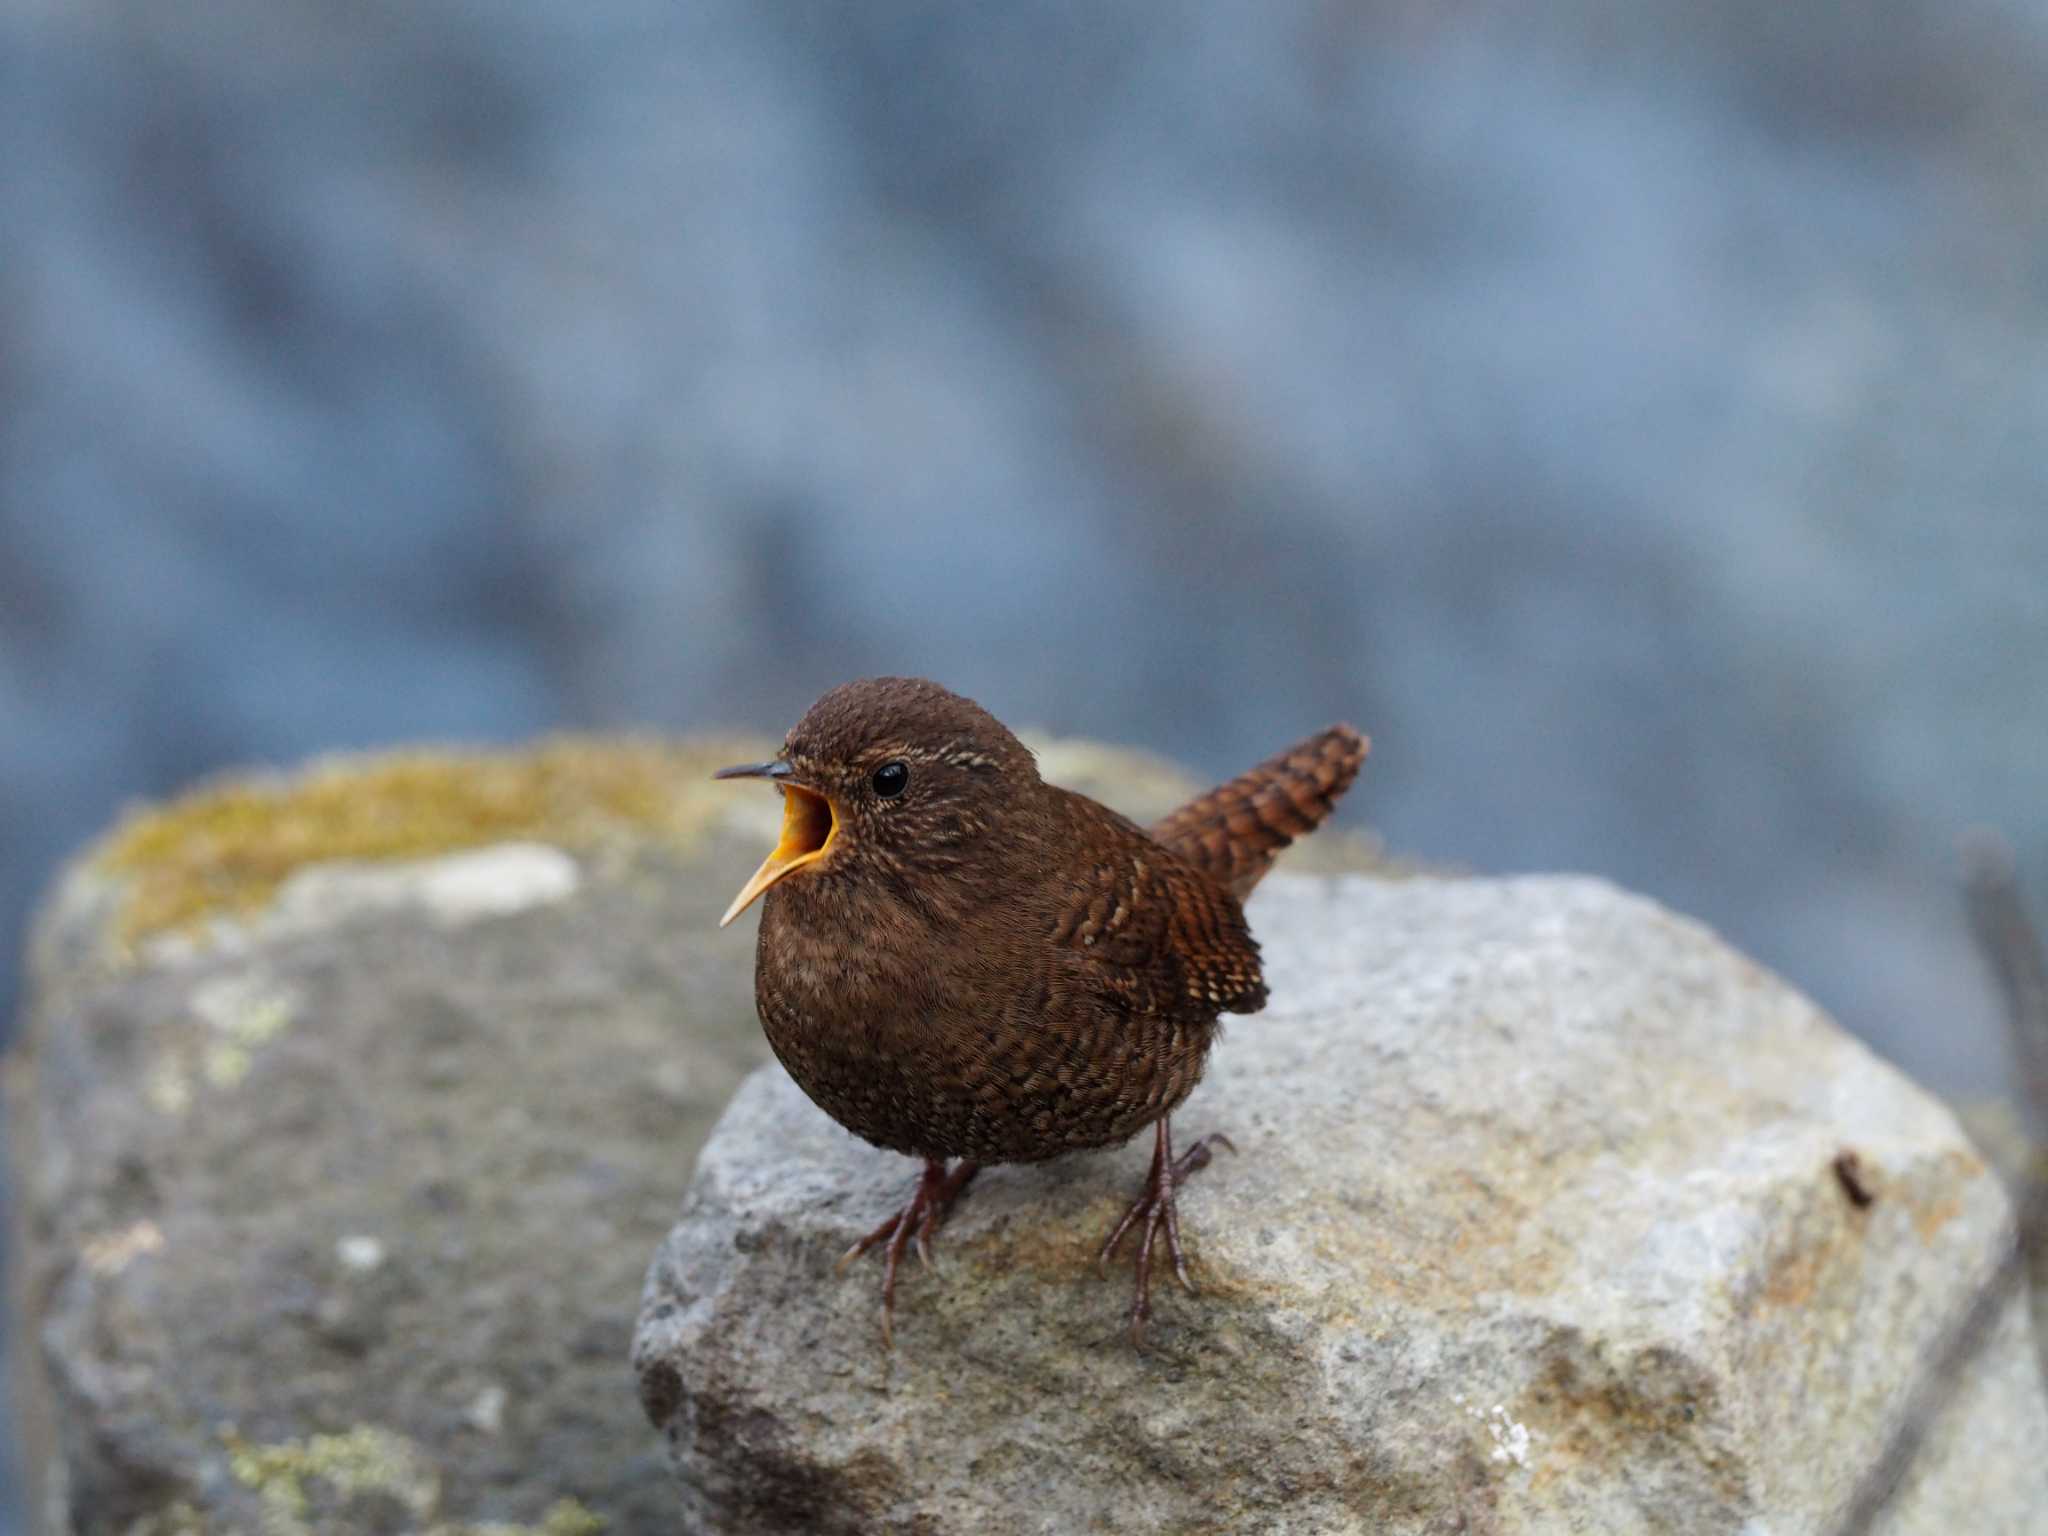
(959, 960)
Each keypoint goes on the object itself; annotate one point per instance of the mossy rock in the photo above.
(350, 1105)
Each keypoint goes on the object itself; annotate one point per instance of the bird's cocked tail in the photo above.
(1237, 829)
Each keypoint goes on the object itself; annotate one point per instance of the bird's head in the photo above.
(886, 777)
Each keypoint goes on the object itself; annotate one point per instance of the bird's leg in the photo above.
(913, 1225)
(1155, 1211)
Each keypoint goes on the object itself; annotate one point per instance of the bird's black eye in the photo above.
(891, 779)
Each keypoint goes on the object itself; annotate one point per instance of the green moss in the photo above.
(223, 849)
(365, 1460)
(180, 1519)
(565, 1517)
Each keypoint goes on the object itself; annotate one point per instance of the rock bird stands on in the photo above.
(959, 960)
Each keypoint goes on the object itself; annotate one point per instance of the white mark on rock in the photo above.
(456, 889)
(112, 1252)
(486, 1411)
(493, 881)
(1510, 1439)
(360, 1253)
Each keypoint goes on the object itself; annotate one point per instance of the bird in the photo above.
(962, 962)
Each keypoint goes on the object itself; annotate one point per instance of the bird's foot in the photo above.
(1155, 1211)
(910, 1227)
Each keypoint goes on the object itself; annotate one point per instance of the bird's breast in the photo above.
(954, 1045)
(853, 1009)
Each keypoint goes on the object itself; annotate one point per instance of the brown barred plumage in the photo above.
(979, 965)
(1235, 831)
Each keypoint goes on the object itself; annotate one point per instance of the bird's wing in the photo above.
(1235, 831)
(1153, 933)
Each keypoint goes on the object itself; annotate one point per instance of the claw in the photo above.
(1156, 1210)
(1116, 1236)
(1180, 1263)
(911, 1227)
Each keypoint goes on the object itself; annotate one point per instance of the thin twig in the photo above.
(2007, 934)
(1960, 1344)
(1998, 912)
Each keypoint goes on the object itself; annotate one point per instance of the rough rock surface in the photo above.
(1536, 1226)
(348, 1110)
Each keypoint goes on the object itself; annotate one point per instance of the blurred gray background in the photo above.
(1631, 412)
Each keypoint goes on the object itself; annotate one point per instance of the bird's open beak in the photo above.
(808, 827)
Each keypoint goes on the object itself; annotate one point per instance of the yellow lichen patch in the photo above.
(364, 1460)
(223, 849)
(368, 1460)
(564, 1517)
(180, 1519)
(246, 1012)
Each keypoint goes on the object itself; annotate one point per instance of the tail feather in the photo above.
(1237, 829)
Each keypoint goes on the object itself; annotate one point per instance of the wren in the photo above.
(962, 962)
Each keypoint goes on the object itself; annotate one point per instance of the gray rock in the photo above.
(338, 1181)
(1535, 1227)
(348, 1109)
